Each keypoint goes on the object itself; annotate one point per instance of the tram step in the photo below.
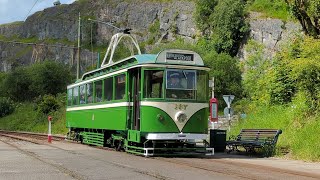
(93, 138)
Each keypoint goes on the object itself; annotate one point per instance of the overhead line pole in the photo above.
(78, 53)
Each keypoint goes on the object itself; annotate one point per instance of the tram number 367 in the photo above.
(181, 107)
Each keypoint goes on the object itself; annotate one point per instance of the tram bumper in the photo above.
(175, 144)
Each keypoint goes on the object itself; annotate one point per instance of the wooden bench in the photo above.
(251, 139)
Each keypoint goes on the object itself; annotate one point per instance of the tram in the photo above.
(146, 104)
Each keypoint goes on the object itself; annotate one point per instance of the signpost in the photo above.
(228, 99)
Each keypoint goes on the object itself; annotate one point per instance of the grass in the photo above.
(271, 8)
(26, 118)
(300, 132)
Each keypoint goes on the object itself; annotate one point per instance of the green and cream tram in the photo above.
(145, 104)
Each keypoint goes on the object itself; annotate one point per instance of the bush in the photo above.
(47, 104)
(26, 83)
(223, 24)
(294, 72)
(6, 106)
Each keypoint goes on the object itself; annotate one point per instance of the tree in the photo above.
(226, 72)
(308, 14)
(203, 14)
(222, 23)
(26, 83)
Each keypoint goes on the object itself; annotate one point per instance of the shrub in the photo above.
(47, 104)
(26, 83)
(6, 106)
(223, 24)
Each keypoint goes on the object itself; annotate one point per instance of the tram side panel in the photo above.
(105, 118)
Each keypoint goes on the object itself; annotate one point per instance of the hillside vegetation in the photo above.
(285, 94)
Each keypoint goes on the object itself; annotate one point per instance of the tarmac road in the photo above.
(63, 160)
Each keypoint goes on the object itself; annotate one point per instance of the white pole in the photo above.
(49, 130)
(229, 114)
(212, 91)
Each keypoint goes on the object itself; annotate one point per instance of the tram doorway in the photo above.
(135, 79)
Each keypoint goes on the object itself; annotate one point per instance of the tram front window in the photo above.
(181, 84)
(153, 83)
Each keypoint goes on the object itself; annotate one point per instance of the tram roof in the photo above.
(168, 57)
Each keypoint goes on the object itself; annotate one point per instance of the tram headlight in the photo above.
(160, 118)
(181, 117)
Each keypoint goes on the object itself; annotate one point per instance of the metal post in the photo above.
(212, 90)
(229, 114)
(78, 53)
(98, 63)
(49, 130)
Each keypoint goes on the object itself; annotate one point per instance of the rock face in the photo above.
(272, 33)
(171, 20)
(158, 21)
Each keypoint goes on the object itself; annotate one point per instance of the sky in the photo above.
(17, 10)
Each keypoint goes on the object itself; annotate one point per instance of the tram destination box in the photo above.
(179, 56)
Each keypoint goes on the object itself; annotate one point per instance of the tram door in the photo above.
(135, 99)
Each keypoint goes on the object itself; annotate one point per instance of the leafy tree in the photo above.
(203, 14)
(48, 77)
(16, 84)
(226, 72)
(6, 106)
(229, 25)
(293, 73)
(223, 24)
(2, 89)
(47, 104)
(308, 14)
(256, 79)
(26, 83)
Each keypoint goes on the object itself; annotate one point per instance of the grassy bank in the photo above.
(26, 118)
(299, 139)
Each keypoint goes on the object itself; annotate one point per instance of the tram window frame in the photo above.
(181, 93)
(98, 99)
(69, 97)
(75, 99)
(145, 91)
(123, 83)
(202, 86)
(89, 93)
(108, 96)
(82, 94)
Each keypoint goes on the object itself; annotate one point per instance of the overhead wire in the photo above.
(31, 10)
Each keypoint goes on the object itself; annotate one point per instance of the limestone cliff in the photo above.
(150, 20)
(171, 19)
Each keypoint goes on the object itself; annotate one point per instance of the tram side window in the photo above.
(75, 96)
(153, 84)
(82, 94)
(120, 86)
(98, 88)
(69, 97)
(90, 93)
(108, 89)
(202, 86)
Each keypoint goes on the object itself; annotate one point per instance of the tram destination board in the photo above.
(179, 56)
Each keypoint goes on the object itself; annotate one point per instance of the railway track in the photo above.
(31, 137)
(209, 165)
